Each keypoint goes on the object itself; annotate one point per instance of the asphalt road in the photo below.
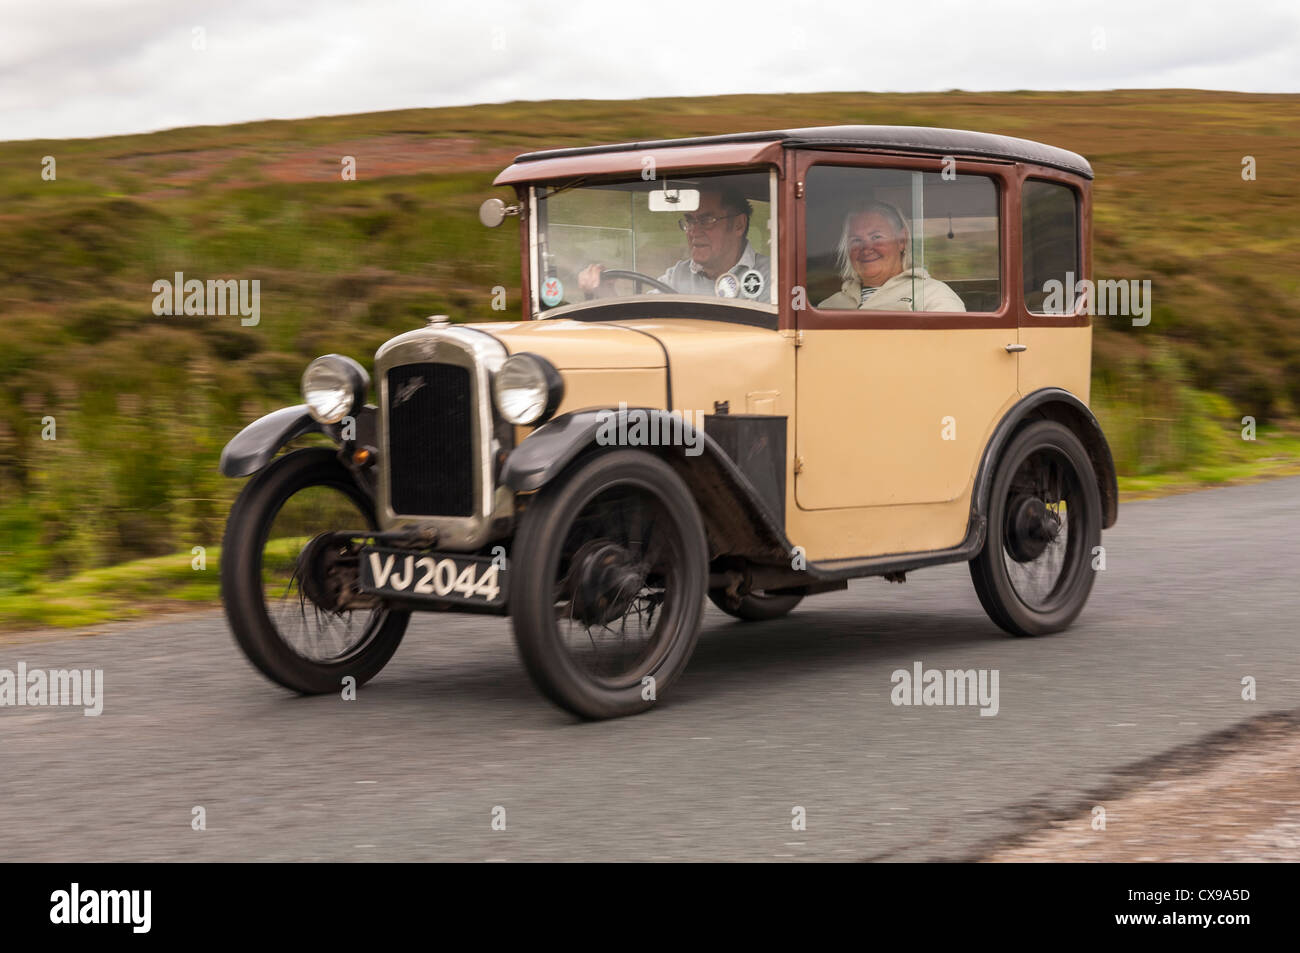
(1199, 591)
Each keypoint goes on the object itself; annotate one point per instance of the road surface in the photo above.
(1200, 591)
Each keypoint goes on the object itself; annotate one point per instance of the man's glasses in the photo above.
(687, 222)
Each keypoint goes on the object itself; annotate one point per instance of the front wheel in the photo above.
(1035, 570)
(278, 581)
(609, 572)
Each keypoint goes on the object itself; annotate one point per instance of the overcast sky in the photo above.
(94, 68)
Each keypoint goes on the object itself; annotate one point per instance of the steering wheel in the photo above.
(639, 278)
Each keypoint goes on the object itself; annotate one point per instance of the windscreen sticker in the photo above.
(751, 283)
(552, 292)
(727, 285)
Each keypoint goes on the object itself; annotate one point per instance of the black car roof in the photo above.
(893, 138)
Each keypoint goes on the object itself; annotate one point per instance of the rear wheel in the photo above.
(1034, 573)
(608, 575)
(283, 586)
(756, 606)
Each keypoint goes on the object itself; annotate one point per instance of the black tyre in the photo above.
(608, 576)
(1035, 571)
(756, 606)
(291, 639)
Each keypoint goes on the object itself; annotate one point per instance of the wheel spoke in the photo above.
(317, 633)
(1039, 578)
(607, 607)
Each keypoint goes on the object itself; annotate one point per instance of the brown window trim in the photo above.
(1008, 176)
(1083, 196)
(1003, 176)
(784, 233)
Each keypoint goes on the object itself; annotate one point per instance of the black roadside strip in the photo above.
(163, 903)
(668, 365)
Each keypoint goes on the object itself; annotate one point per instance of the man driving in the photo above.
(717, 244)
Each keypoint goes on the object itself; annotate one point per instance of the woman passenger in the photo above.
(874, 265)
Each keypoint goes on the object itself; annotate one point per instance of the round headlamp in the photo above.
(334, 387)
(527, 389)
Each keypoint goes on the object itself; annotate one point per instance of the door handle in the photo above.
(1017, 348)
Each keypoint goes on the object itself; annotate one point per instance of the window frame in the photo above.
(1005, 181)
(532, 259)
(1083, 214)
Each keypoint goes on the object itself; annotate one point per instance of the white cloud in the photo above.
(97, 68)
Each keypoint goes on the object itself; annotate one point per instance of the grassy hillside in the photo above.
(143, 404)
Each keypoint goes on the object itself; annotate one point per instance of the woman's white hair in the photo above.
(864, 207)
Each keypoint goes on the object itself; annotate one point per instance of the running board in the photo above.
(964, 551)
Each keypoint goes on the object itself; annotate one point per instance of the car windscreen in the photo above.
(674, 234)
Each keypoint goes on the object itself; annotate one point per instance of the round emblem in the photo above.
(727, 285)
(751, 283)
(552, 292)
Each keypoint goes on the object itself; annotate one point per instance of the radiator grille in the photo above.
(431, 440)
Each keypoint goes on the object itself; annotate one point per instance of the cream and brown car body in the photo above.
(836, 444)
(870, 485)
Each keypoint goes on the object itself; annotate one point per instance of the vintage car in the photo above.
(748, 368)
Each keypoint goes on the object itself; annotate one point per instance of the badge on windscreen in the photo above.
(727, 285)
(751, 283)
(552, 292)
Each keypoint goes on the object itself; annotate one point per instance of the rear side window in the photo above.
(1050, 246)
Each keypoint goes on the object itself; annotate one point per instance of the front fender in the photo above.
(255, 445)
(549, 449)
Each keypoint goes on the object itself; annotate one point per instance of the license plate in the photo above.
(439, 577)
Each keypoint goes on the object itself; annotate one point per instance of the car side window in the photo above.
(1049, 226)
(898, 240)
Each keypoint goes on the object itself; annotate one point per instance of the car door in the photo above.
(894, 405)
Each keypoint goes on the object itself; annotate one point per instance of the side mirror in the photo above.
(494, 211)
(674, 200)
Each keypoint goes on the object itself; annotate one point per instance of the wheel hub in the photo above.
(604, 578)
(327, 571)
(1031, 528)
